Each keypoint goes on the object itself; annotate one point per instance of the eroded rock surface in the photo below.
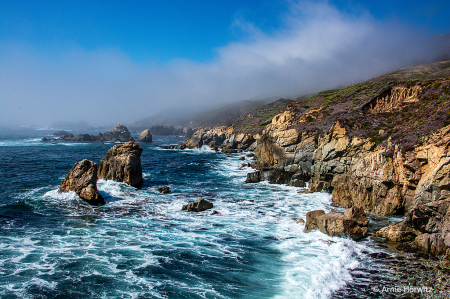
(351, 223)
(82, 179)
(145, 136)
(383, 146)
(122, 163)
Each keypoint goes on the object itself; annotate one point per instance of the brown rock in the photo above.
(337, 224)
(311, 220)
(200, 205)
(358, 215)
(122, 163)
(83, 180)
(398, 232)
(145, 136)
(432, 243)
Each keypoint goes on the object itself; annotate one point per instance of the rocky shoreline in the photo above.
(386, 152)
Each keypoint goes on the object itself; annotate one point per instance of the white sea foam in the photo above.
(139, 230)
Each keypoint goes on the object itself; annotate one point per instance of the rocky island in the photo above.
(122, 163)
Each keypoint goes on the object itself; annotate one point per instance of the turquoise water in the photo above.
(142, 245)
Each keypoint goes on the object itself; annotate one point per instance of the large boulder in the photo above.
(311, 220)
(398, 232)
(352, 223)
(200, 205)
(83, 180)
(145, 136)
(122, 163)
(358, 215)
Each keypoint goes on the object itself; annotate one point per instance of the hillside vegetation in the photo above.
(404, 106)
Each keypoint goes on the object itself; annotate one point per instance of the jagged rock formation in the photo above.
(83, 180)
(352, 223)
(145, 136)
(381, 145)
(122, 163)
(120, 133)
(223, 137)
(171, 130)
(200, 205)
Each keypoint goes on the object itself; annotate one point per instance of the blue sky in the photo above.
(60, 56)
(158, 31)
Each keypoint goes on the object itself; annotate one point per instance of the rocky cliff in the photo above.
(381, 145)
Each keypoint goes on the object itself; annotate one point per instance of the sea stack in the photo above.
(145, 136)
(122, 163)
(119, 133)
(83, 180)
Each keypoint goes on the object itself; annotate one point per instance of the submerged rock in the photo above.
(83, 180)
(145, 136)
(122, 163)
(200, 205)
(174, 146)
(164, 190)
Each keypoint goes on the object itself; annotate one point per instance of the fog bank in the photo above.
(318, 48)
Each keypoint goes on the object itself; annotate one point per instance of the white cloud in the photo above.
(318, 48)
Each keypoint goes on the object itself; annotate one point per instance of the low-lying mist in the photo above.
(318, 48)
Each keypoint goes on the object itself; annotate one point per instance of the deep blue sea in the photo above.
(142, 245)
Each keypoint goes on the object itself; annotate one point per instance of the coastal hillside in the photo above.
(224, 116)
(200, 117)
(381, 144)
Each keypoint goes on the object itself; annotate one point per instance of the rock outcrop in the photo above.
(352, 223)
(120, 133)
(145, 136)
(200, 205)
(122, 163)
(222, 137)
(171, 130)
(83, 180)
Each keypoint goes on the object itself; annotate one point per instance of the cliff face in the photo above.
(383, 146)
(122, 163)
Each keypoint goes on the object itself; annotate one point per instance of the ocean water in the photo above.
(142, 245)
